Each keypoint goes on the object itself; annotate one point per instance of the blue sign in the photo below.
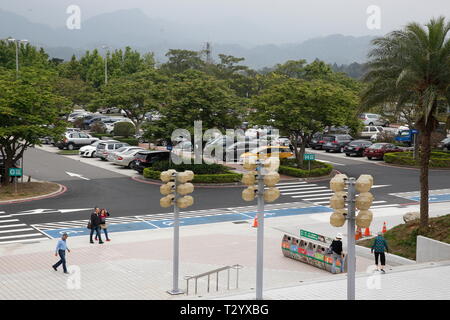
(414, 131)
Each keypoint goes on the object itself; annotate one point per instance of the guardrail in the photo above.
(209, 273)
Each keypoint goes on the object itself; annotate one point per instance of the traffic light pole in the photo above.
(176, 243)
(260, 234)
(351, 242)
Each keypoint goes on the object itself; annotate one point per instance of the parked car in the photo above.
(104, 148)
(76, 115)
(89, 118)
(373, 119)
(444, 144)
(336, 142)
(356, 147)
(144, 159)
(317, 141)
(262, 152)
(369, 131)
(89, 151)
(235, 151)
(110, 123)
(126, 158)
(75, 140)
(112, 155)
(377, 150)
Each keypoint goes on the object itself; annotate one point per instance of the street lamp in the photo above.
(362, 202)
(106, 63)
(176, 190)
(17, 41)
(265, 174)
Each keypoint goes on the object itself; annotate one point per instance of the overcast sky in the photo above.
(280, 21)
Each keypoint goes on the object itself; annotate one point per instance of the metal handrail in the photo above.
(216, 271)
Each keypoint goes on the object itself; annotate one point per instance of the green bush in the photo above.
(130, 141)
(100, 135)
(124, 129)
(196, 168)
(317, 169)
(227, 177)
(437, 159)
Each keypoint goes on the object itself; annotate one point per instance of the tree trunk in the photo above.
(6, 177)
(425, 152)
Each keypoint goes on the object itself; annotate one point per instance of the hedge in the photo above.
(196, 168)
(437, 159)
(316, 171)
(130, 141)
(227, 177)
(100, 135)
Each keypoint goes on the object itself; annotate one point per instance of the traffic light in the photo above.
(337, 201)
(364, 200)
(176, 189)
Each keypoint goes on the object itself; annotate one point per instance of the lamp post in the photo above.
(362, 202)
(175, 189)
(264, 175)
(106, 63)
(17, 41)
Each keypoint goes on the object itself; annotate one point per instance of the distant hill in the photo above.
(134, 28)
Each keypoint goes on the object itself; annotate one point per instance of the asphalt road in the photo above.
(126, 197)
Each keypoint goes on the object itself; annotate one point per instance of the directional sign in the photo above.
(15, 172)
(309, 157)
(414, 131)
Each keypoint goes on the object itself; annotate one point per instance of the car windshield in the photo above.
(377, 146)
(132, 151)
(121, 149)
(329, 138)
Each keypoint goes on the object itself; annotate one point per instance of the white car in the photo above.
(89, 151)
(373, 119)
(126, 158)
(369, 131)
(114, 154)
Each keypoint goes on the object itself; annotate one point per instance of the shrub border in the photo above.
(400, 158)
(229, 177)
(302, 173)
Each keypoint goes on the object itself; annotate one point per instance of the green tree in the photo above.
(300, 108)
(136, 94)
(412, 66)
(29, 110)
(182, 60)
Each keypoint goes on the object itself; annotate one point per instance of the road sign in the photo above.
(309, 157)
(15, 172)
(414, 131)
(169, 147)
(314, 236)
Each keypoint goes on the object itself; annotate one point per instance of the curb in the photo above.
(410, 168)
(62, 189)
(201, 185)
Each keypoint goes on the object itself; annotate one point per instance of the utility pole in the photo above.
(106, 63)
(208, 53)
(17, 41)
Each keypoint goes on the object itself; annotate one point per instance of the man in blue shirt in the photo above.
(61, 248)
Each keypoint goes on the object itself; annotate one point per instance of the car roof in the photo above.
(152, 151)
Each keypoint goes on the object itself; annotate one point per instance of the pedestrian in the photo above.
(94, 223)
(337, 254)
(379, 246)
(103, 214)
(61, 248)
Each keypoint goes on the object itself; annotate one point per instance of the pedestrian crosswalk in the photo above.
(12, 230)
(318, 194)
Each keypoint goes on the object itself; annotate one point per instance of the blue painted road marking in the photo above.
(154, 224)
(433, 198)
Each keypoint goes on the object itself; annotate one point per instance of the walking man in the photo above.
(336, 247)
(379, 246)
(61, 248)
(95, 225)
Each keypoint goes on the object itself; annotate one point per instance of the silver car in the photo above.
(126, 158)
(115, 153)
(104, 148)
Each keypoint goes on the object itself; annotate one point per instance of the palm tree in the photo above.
(411, 67)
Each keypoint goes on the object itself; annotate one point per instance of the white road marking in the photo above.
(16, 230)
(27, 240)
(301, 189)
(77, 175)
(287, 183)
(297, 186)
(335, 163)
(321, 198)
(20, 236)
(13, 225)
(381, 186)
(11, 220)
(323, 194)
(314, 191)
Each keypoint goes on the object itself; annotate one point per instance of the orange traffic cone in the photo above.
(358, 234)
(367, 233)
(384, 227)
(255, 222)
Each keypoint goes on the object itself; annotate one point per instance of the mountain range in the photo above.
(135, 29)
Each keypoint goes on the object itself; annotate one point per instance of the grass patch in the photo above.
(402, 238)
(438, 159)
(26, 190)
(318, 169)
(68, 152)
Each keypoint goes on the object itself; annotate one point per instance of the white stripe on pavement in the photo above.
(325, 194)
(13, 225)
(287, 183)
(26, 240)
(302, 189)
(16, 230)
(21, 236)
(11, 220)
(321, 198)
(297, 186)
